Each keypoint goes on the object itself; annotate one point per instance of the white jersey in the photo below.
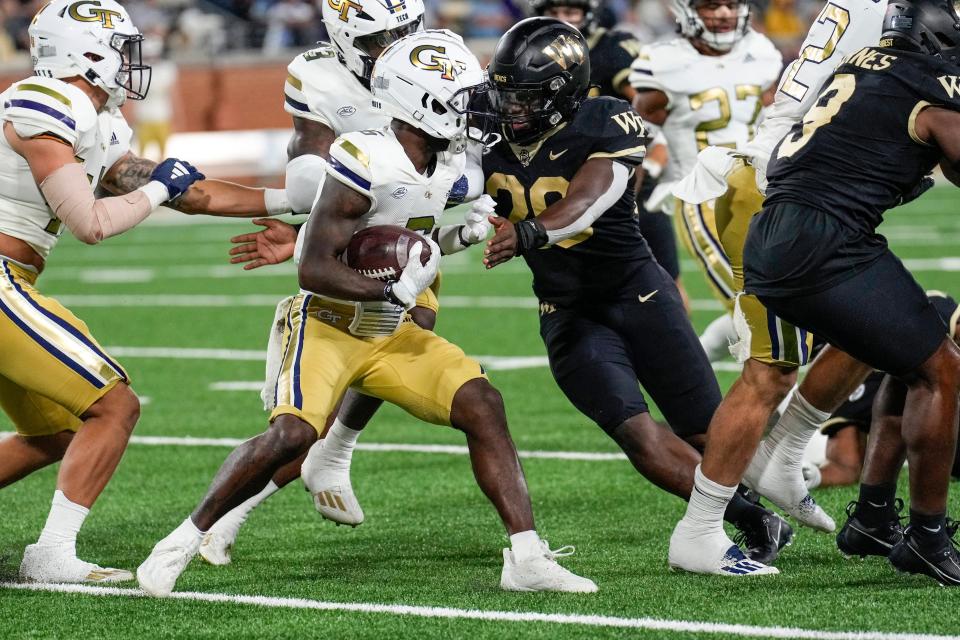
(711, 100)
(374, 163)
(45, 106)
(320, 88)
(843, 27)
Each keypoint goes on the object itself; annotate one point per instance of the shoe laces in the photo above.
(562, 552)
(897, 510)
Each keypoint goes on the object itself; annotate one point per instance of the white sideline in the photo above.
(584, 620)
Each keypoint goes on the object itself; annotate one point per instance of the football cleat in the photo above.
(941, 562)
(55, 564)
(762, 543)
(782, 483)
(159, 572)
(541, 572)
(216, 547)
(711, 553)
(858, 539)
(329, 483)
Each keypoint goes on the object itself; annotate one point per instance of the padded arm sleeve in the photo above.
(69, 195)
(607, 199)
(305, 174)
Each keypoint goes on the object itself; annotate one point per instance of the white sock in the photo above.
(525, 544)
(338, 445)
(189, 531)
(63, 523)
(229, 525)
(708, 502)
(718, 336)
(790, 436)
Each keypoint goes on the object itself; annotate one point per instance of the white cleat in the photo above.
(781, 481)
(713, 554)
(216, 547)
(542, 573)
(159, 572)
(331, 489)
(55, 564)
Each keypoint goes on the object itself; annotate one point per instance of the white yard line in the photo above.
(419, 611)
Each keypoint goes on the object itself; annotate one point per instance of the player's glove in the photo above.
(477, 225)
(416, 277)
(918, 189)
(176, 175)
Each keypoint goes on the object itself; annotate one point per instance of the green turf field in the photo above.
(190, 329)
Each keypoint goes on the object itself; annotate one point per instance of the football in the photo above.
(381, 252)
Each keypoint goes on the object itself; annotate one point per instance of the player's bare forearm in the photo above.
(127, 174)
(652, 105)
(331, 224)
(591, 181)
(222, 199)
(310, 137)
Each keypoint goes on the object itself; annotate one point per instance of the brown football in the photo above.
(381, 252)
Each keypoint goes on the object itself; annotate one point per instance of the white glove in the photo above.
(476, 224)
(416, 277)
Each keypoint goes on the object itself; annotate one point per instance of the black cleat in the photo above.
(857, 539)
(939, 561)
(762, 543)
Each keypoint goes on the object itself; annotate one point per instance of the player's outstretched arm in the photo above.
(209, 197)
(67, 188)
(596, 187)
(941, 127)
(272, 245)
(307, 155)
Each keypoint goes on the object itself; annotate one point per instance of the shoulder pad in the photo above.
(350, 160)
(310, 78)
(46, 105)
(655, 64)
(613, 129)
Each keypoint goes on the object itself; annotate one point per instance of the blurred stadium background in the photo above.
(219, 65)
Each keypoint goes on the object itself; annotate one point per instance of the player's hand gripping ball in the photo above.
(396, 255)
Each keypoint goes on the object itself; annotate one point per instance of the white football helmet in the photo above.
(361, 29)
(426, 80)
(93, 39)
(691, 25)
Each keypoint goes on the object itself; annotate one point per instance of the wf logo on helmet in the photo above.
(94, 13)
(436, 61)
(565, 51)
(344, 6)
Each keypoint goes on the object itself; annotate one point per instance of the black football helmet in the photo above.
(590, 11)
(538, 77)
(928, 26)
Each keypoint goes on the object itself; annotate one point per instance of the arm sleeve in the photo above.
(621, 178)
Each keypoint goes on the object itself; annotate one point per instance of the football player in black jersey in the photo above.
(611, 54)
(610, 316)
(813, 256)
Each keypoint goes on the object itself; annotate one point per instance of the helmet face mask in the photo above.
(92, 39)
(362, 29)
(539, 76)
(720, 33)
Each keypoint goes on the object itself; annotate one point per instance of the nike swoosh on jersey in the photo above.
(648, 296)
(554, 156)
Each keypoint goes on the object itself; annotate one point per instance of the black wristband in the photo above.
(389, 295)
(531, 235)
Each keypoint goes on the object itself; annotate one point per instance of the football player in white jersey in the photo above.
(327, 93)
(348, 330)
(770, 348)
(706, 87)
(63, 136)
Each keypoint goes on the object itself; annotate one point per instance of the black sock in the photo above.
(743, 513)
(928, 528)
(875, 505)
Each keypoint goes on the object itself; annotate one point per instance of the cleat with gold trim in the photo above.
(329, 483)
(55, 564)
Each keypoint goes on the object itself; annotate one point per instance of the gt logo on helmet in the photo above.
(564, 51)
(94, 14)
(436, 61)
(344, 6)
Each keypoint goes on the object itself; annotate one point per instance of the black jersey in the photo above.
(611, 54)
(526, 180)
(856, 153)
